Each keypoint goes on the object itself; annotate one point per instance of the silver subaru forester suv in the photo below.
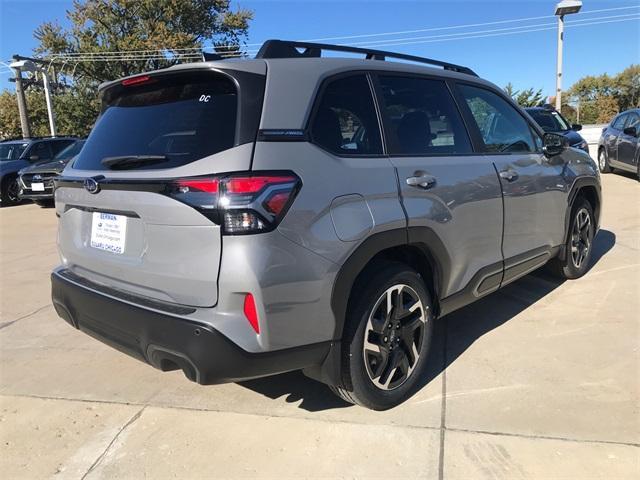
(242, 218)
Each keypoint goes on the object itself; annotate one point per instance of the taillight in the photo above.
(241, 203)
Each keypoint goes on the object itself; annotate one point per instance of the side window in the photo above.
(618, 124)
(422, 117)
(502, 128)
(634, 121)
(58, 145)
(345, 121)
(41, 150)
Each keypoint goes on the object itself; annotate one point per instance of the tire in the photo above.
(603, 162)
(384, 356)
(579, 246)
(10, 191)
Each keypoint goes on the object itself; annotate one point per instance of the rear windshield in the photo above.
(163, 122)
(11, 151)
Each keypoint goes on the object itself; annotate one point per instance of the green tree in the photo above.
(179, 28)
(525, 98)
(75, 111)
(142, 27)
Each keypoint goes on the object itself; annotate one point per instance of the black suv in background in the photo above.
(552, 121)
(36, 181)
(619, 146)
(17, 154)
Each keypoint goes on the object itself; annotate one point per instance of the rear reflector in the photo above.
(250, 312)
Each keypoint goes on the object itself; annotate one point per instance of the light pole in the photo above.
(565, 7)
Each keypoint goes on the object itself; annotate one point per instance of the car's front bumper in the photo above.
(169, 342)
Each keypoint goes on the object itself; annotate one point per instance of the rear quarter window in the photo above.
(182, 118)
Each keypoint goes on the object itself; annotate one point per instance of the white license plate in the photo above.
(108, 232)
(37, 187)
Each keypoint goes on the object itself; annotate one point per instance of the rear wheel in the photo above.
(386, 338)
(10, 191)
(579, 244)
(603, 163)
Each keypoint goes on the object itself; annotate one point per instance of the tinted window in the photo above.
(41, 150)
(345, 121)
(59, 145)
(503, 129)
(618, 124)
(11, 151)
(423, 117)
(634, 120)
(550, 121)
(179, 119)
(71, 151)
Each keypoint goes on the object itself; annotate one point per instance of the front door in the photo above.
(628, 144)
(448, 192)
(534, 189)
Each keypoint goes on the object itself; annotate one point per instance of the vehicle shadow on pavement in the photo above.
(451, 337)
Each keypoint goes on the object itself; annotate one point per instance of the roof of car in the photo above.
(33, 139)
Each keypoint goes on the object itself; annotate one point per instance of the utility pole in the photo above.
(22, 104)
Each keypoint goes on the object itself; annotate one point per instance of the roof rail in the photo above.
(289, 49)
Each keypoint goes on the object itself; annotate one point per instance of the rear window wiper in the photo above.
(132, 161)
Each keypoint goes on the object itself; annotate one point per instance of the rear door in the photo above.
(535, 190)
(446, 188)
(125, 220)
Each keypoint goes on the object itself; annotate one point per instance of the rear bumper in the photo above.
(168, 342)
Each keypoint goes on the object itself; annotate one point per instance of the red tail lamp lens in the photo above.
(208, 185)
(136, 80)
(254, 184)
(250, 312)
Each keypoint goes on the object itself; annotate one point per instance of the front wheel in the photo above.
(579, 246)
(386, 339)
(603, 163)
(10, 191)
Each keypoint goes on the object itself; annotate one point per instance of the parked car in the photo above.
(36, 181)
(550, 120)
(619, 146)
(236, 219)
(16, 154)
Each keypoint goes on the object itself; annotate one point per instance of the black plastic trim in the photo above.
(167, 342)
(289, 49)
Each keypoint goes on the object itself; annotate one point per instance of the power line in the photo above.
(391, 41)
(197, 50)
(470, 36)
(459, 26)
(395, 42)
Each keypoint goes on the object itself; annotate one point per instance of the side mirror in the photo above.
(576, 127)
(34, 158)
(554, 144)
(631, 131)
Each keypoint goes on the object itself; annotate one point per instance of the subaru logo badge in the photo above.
(37, 177)
(91, 185)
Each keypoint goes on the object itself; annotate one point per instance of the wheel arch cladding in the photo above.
(418, 247)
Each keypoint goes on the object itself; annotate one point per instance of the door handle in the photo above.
(509, 175)
(422, 181)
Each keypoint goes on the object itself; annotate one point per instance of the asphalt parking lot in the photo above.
(540, 380)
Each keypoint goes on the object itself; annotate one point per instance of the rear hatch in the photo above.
(124, 221)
